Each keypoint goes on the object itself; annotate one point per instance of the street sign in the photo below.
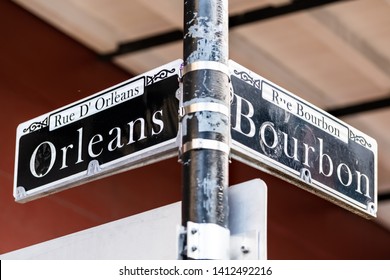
(122, 127)
(280, 133)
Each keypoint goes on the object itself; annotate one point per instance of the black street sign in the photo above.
(280, 133)
(123, 127)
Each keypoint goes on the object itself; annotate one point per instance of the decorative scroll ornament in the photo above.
(36, 125)
(359, 139)
(163, 74)
(247, 78)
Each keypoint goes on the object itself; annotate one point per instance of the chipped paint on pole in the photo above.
(210, 32)
(205, 125)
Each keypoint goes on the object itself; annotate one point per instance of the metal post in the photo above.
(205, 128)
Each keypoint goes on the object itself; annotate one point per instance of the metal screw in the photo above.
(244, 250)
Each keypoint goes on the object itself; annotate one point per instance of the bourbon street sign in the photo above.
(278, 132)
(125, 126)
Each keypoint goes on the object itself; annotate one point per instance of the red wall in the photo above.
(42, 69)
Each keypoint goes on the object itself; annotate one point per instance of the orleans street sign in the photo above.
(127, 125)
(278, 132)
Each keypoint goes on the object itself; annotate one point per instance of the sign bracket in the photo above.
(247, 233)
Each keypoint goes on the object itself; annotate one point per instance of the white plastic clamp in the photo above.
(204, 106)
(200, 143)
(206, 65)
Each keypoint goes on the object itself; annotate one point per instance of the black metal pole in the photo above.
(205, 129)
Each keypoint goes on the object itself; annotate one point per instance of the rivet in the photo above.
(244, 250)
